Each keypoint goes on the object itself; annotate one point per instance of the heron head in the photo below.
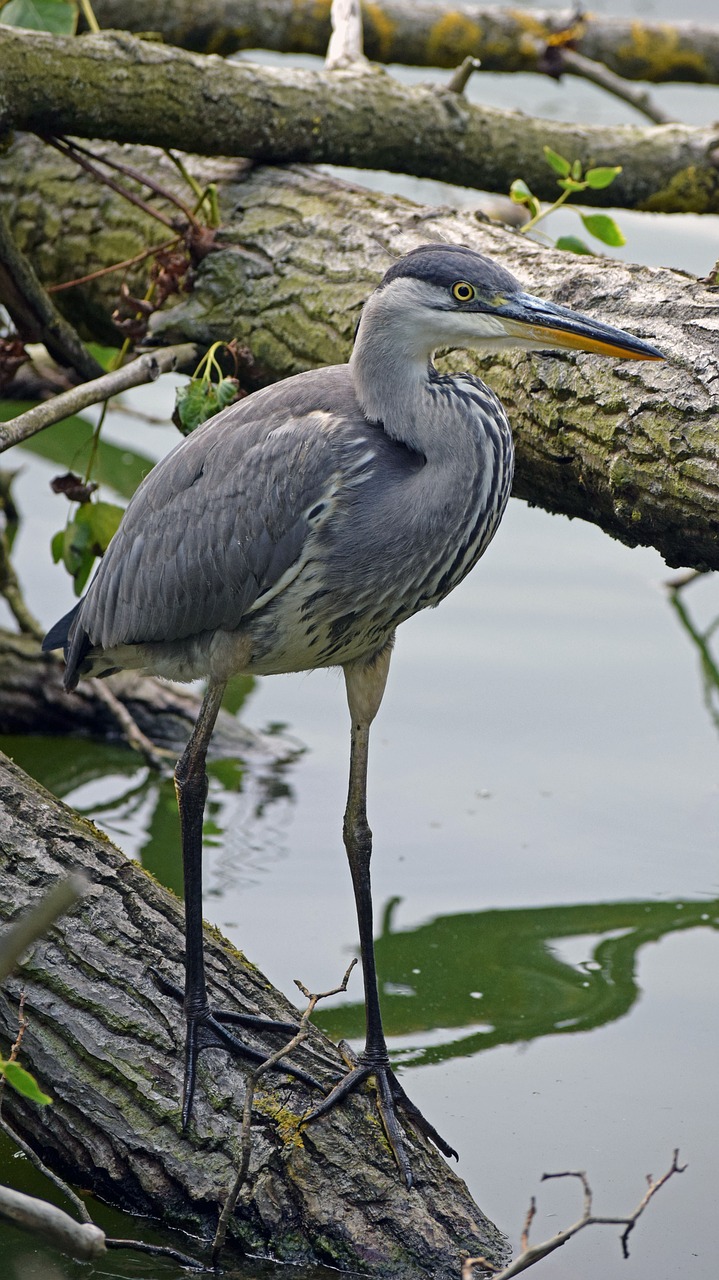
(442, 295)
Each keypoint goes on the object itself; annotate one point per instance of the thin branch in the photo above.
(116, 266)
(136, 175)
(11, 591)
(252, 1081)
(531, 1254)
(157, 1251)
(57, 1181)
(459, 78)
(145, 368)
(531, 1211)
(155, 757)
(577, 65)
(33, 313)
(73, 153)
(81, 1240)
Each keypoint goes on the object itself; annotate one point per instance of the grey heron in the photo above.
(297, 530)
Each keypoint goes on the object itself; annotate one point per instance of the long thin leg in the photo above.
(204, 1026)
(366, 681)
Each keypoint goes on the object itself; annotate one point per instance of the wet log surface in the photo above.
(107, 1045)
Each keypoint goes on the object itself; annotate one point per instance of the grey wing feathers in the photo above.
(215, 525)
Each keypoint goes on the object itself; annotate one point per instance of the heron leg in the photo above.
(366, 681)
(205, 1026)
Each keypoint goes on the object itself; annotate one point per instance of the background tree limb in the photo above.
(117, 87)
(430, 33)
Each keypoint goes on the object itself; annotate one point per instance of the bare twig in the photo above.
(145, 368)
(577, 65)
(156, 757)
(81, 1240)
(531, 1254)
(116, 266)
(531, 1211)
(157, 1251)
(57, 1181)
(22, 1025)
(459, 78)
(252, 1080)
(345, 45)
(11, 591)
(73, 153)
(128, 171)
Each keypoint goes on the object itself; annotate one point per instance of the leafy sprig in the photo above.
(572, 179)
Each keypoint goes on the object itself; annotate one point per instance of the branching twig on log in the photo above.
(253, 1079)
(605, 79)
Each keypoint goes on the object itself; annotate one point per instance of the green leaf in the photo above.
(57, 546)
(227, 390)
(101, 520)
(576, 170)
(519, 191)
(573, 244)
(604, 228)
(598, 178)
(85, 538)
(200, 400)
(557, 162)
(57, 16)
(23, 1082)
(570, 184)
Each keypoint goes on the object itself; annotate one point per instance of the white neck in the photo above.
(390, 370)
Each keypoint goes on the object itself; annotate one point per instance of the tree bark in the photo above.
(429, 33)
(116, 87)
(33, 700)
(629, 446)
(107, 1045)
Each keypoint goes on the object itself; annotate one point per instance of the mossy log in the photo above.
(33, 700)
(629, 446)
(116, 87)
(107, 1045)
(430, 33)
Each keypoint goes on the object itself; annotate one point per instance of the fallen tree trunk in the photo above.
(430, 33)
(119, 88)
(107, 1045)
(631, 447)
(33, 700)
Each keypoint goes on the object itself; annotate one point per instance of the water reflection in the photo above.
(489, 978)
(701, 637)
(246, 815)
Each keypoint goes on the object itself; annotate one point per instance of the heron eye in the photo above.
(463, 291)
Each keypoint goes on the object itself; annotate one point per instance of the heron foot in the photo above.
(390, 1096)
(206, 1030)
